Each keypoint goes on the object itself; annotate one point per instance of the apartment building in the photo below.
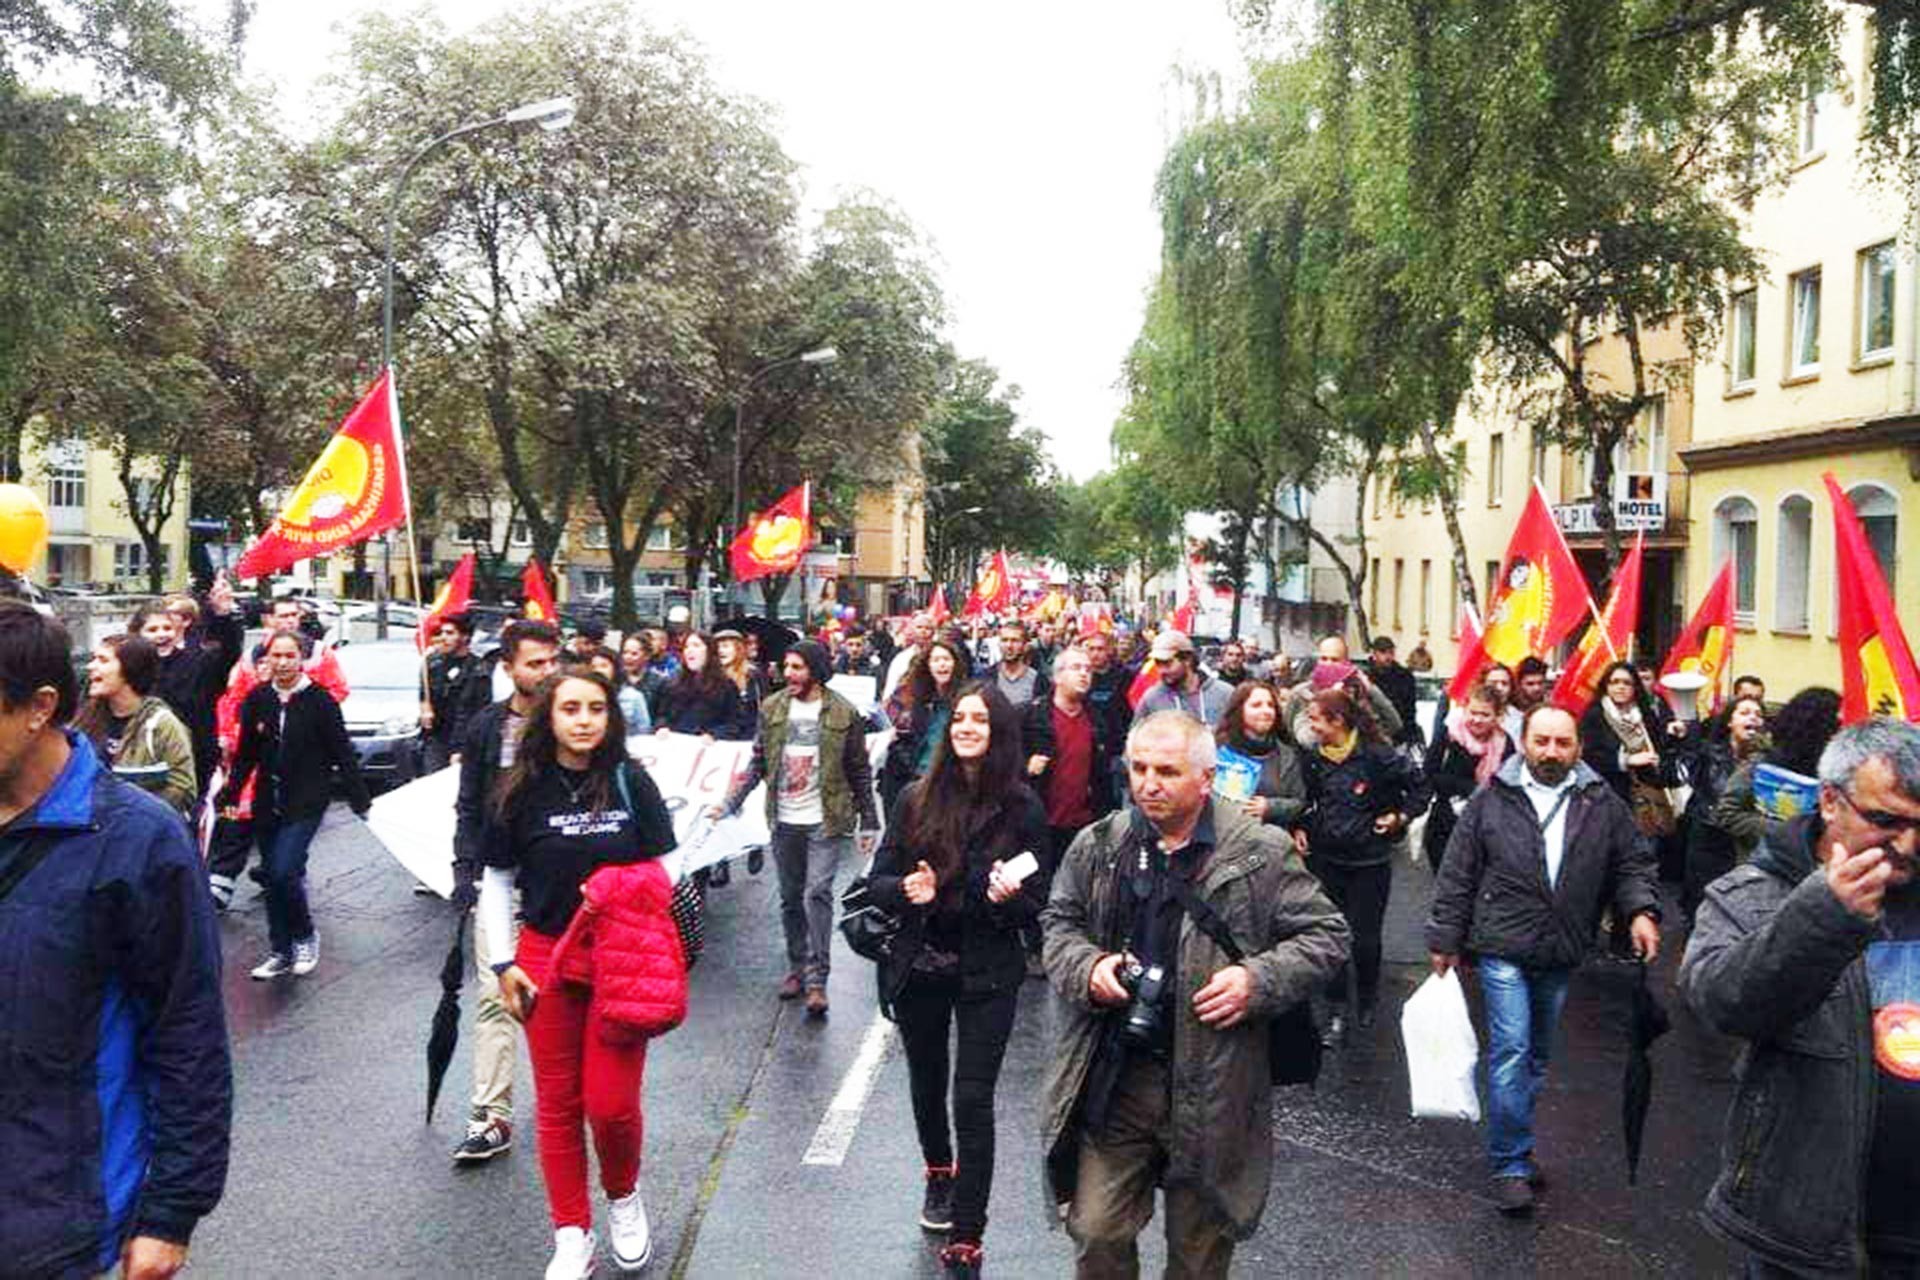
(90, 539)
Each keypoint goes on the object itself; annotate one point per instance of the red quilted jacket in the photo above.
(623, 944)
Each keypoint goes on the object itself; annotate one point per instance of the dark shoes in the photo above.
(1513, 1196)
(718, 875)
(790, 987)
(936, 1211)
(486, 1138)
(816, 1002)
(756, 859)
(962, 1261)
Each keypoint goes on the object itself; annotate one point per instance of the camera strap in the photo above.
(1207, 920)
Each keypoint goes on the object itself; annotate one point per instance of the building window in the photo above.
(1792, 564)
(1537, 456)
(1647, 445)
(1399, 584)
(130, 560)
(595, 582)
(67, 474)
(1736, 533)
(1803, 342)
(1373, 590)
(522, 534)
(1742, 337)
(1379, 493)
(476, 529)
(1879, 513)
(1876, 301)
(1813, 120)
(594, 534)
(1496, 464)
(1457, 601)
(1493, 583)
(660, 538)
(1426, 596)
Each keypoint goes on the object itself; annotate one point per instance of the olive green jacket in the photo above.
(1222, 1099)
(846, 775)
(156, 736)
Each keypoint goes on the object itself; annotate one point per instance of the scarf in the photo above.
(1487, 752)
(1627, 724)
(1338, 752)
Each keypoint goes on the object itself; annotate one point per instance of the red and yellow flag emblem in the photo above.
(775, 539)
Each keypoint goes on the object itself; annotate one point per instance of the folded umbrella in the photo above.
(446, 1018)
(1647, 1023)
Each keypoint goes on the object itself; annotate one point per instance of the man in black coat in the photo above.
(459, 685)
(1397, 683)
(193, 672)
(1536, 855)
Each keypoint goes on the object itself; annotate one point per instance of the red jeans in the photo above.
(578, 1077)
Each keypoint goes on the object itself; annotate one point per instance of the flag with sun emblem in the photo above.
(775, 539)
(1878, 677)
(354, 490)
(1539, 598)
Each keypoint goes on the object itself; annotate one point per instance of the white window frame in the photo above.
(1793, 581)
(1812, 117)
(1731, 510)
(66, 465)
(521, 533)
(660, 538)
(1743, 335)
(1496, 468)
(1866, 263)
(1797, 312)
(593, 535)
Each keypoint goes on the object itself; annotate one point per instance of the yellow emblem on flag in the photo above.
(335, 482)
(1883, 687)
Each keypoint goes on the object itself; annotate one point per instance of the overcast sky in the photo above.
(1021, 135)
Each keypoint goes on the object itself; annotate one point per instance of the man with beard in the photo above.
(1545, 815)
(1811, 954)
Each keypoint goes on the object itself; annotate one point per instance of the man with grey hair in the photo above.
(1148, 1002)
(1811, 954)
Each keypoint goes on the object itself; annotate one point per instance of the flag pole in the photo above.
(406, 489)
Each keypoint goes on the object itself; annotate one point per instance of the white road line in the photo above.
(837, 1127)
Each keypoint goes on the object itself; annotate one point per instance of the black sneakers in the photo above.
(485, 1139)
(936, 1212)
(1513, 1196)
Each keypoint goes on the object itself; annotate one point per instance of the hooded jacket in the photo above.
(1492, 897)
(154, 735)
(623, 944)
(117, 1089)
(1778, 961)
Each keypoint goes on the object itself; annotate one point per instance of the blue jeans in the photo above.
(1523, 1009)
(283, 862)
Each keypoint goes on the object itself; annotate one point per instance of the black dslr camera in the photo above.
(1144, 983)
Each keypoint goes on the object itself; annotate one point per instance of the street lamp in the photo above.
(550, 114)
(819, 355)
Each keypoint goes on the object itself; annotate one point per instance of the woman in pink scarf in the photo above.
(1459, 762)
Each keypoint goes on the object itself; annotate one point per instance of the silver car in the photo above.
(382, 709)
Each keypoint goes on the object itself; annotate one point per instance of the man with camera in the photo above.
(1163, 1054)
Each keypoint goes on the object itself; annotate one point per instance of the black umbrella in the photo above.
(1647, 1023)
(774, 637)
(446, 1018)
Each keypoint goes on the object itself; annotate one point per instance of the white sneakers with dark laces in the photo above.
(573, 1250)
(306, 955)
(628, 1232)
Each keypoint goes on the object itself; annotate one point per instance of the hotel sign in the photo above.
(1639, 504)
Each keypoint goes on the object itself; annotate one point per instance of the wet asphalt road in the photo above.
(336, 1172)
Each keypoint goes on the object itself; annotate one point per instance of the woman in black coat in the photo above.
(700, 699)
(1631, 740)
(950, 864)
(1361, 794)
(1467, 751)
(1711, 851)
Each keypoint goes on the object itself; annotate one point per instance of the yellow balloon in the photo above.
(23, 526)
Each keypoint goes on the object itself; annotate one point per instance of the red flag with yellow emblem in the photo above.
(355, 489)
(1606, 638)
(455, 594)
(1539, 598)
(536, 597)
(1706, 646)
(775, 539)
(993, 590)
(1878, 677)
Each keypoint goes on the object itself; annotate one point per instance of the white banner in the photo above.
(416, 822)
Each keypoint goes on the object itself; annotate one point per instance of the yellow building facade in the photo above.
(90, 539)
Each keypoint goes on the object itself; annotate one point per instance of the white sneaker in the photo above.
(573, 1250)
(306, 956)
(628, 1233)
(272, 967)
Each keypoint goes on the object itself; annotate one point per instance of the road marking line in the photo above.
(837, 1126)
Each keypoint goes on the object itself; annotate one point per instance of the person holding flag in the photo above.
(1540, 598)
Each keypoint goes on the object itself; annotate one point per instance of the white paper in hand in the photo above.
(1442, 1050)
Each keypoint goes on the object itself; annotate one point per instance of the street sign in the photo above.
(207, 526)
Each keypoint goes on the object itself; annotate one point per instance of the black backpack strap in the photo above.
(32, 851)
(1206, 919)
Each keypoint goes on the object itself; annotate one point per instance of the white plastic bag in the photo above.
(1442, 1050)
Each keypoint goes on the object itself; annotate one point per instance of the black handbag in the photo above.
(870, 929)
(1293, 1036)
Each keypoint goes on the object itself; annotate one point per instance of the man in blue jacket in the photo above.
(116, 1097)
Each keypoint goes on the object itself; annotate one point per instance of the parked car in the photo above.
(382, 709)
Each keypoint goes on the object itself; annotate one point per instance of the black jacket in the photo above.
(472, 812)
(1398, 684)
(457, 688)
(1492, 897)
(1600, 747)
(1037, 740)
(1344, 799)
(1450, 777)
(192, 678)
(992, 953)
(297, 755)
(686, 706)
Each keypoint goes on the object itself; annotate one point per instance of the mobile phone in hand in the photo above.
(1016, 871)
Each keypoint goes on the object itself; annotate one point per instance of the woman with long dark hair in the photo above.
(1628, 737)
(293, 736)
(919, 710)
(1739, 737)
(573, 802)
(700, 699)
(1468, 751)
(1361, 794)
(132, 729)
(1250, 725)
(949, 865)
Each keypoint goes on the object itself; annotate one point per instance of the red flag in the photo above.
(937, 608)
(1096, 618)
(1706, 646)
(1540, 597)
(1148, 676)
(355, 489)
(536, 597)
(452, 598)
(1189, 608)
(775, 539)
(994, 589)
(1606, 638)
(1878, 677)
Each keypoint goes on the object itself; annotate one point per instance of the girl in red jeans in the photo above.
(571, 802)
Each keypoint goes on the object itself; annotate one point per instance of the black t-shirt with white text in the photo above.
(1893, 1171)
(555, 839)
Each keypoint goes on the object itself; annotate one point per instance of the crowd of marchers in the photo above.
(1196, 857)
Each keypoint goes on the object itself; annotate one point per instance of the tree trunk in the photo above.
(1240, 556)
(1449, 497)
